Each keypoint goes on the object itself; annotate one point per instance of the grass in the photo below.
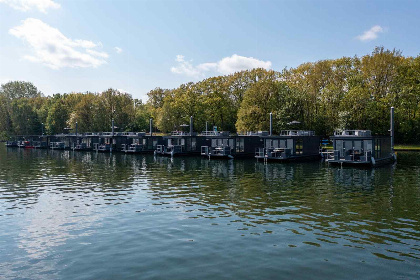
(400, 147)
(403, 147)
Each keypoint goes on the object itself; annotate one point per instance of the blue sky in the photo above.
(71, 46)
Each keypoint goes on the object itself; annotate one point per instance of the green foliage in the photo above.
(24, 118)
(19, 89)
(344, 93)
(58, 115)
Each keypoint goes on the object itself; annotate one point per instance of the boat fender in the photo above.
(230, 156)
(172, 153)
(395, 157)
(373, 160)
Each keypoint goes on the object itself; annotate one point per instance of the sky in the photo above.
(135, 46)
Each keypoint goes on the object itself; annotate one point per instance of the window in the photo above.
(377, 148)
(193, 144)
(231, 143)
(299, 146)
(240, 145)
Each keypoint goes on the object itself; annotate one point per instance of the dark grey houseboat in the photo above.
(12, 143)
(219, 144)
(290, 145)
(361, 148)
(141, 143)
(222, 145)
(181, 143)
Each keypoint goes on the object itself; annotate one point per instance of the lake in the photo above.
(82, 215)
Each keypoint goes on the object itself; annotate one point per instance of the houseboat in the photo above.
(222, 145)
(57, 146)
(181, 143)
(110, 142)
(11, 144)
(361, 148)
(289, 145)
(25, 144)
(85, 141)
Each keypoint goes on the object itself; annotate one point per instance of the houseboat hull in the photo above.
(219, 157)
(363, 164)
(289, 159)
(138, 152)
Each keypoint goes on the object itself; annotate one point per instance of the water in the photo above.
(66, 215)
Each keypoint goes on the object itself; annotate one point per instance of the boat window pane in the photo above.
(289, 144)
(282, 143)
(358, 145)
(339, 145)
(367, 145)
(348, 145)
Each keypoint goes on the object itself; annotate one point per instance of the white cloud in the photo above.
(27, 5)
(185, 68)
(118, 50)
(122, 90)
(98, 54)
(371, 34)
(227, 65)
(51, 48)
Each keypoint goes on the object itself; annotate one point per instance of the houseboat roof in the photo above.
(215, 133)
(253, 133)
(297, 133)
(182, 133)
(354, 133)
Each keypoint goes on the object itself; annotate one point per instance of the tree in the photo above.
(261, 99)
(24, 118)
(19, 89)
(57, 115)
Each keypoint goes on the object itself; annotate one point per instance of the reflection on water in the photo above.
(65, 212)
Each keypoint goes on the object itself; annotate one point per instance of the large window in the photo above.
(299, 146)
(377, 148)
(193, 144)
(240, 147)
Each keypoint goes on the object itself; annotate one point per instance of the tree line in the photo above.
(345, 93)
